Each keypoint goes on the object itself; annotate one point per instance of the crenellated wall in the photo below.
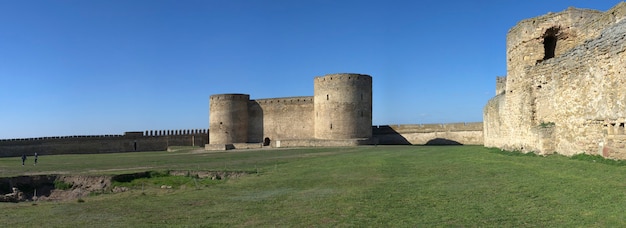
(160, 140)
(153, 140)
(340, 109)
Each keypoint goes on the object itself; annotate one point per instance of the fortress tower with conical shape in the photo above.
(339, 114)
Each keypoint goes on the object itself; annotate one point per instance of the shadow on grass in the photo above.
(512, 153)
(598, 159)
(577, 157)
(442, 142)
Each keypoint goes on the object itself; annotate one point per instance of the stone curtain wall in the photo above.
(430, 134)
(154, 140)
(280, 118)
(341, 108)
(160, 140)
(566, 103)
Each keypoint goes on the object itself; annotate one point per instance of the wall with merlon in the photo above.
(87, 144)
(160, 140)
(340, 108)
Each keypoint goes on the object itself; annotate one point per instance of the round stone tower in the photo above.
(343, 106)
(228, 120)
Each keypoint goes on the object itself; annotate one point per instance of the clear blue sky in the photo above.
(89, 67)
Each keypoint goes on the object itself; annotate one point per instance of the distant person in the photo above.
(23, 159)
(36, 157)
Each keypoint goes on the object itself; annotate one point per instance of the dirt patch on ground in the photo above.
(68, 187)
(81, 186)
(51, 187)
(215, 175)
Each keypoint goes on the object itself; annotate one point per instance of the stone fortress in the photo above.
(339, 114)
(563, 93)
(565, 86)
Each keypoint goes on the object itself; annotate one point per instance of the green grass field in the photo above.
(384, 186)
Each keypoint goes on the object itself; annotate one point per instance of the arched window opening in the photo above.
(326, 96)
(549, 42)
(549, 45)
(266, 141)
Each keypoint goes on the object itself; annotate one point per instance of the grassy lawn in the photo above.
(384, 186)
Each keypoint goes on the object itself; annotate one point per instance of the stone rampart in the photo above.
(430, 134)
(564, 85)
(88, 144)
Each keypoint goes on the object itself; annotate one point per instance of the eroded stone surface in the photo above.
(564, 90)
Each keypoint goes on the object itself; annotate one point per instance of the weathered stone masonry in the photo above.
(564, 89)
(339, 113)
(153, 140)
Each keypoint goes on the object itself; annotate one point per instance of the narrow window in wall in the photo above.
(326, 96)
(549, 42)
(331, 126)
(549, 45)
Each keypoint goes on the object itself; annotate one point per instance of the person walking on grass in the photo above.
(36, 157)
(23, 159)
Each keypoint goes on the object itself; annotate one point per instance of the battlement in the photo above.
(230, 97)
(500, 85)
(341, 108)
(175, 132)
(284, 100)
(126, 134)
(63, 137)
(343, 76)
(132, 141)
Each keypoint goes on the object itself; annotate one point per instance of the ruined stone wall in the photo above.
(148, 141)
(429, 134)
(280, 118)
(562, 103)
